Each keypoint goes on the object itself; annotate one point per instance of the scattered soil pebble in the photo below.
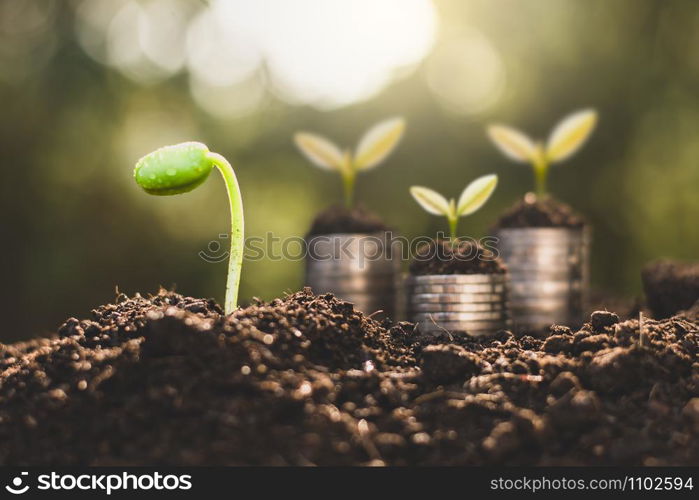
(339, 219)
(442, 257)
(540, 212)
(307, 380)
(670, 286)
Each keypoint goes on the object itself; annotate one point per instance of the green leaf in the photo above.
(319, 150)
(433, 202)
(570, 134)
(513, 143)
(476, 194)
(378, 143)
(174, 169)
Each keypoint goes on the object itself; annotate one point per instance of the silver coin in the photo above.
(548, 318)
(542, 275)
(510, 245)
(542, 268)
(364, 286)
(570, 298)
(546, 307)
(542, 261)
(534, 249)
(460, 326)
(353, 277)
(369, 303)
(455, 298)
(346, 292)
(539, 266)
(456, 331)
(335, 267)
(462, 288)
(353, 280)
(541, 324)
(460, 329)
(357, 282)
(529, 248)
(561, 299)
(369, 307)
(361, 295)
(464, 325)
(464, 307)
(351, 263)
(350, 245)
(544, 287)
(456, 279)
(540, 234)
(461, 316)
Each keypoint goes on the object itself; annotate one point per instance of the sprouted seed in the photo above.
(472, 198)
(373, 148)
(181, 168)
(567, 137)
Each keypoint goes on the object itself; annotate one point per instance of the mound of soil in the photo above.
(540, 212)
(467, 257)
(340, 219)
(670, 286)
(308, 380)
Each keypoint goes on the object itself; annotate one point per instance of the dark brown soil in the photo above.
(307, 380)
(540, 212)
(339, 219)
(441, 257)
(670, 286)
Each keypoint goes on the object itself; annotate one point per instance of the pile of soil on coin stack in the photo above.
(464, 257)
(342, 220)
(307, 380)
(533, 211)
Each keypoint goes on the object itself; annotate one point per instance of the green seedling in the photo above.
(472, 198)
(373, 148)
(566, 138)
(179, 169)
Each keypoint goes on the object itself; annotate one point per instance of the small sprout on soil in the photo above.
(374, 147)
(566, 138)
(472, 198)
(180, 168)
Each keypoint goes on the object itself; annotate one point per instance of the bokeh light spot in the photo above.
(466, 74)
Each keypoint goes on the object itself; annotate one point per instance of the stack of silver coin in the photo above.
(472, 303)
(549, 275)
(359, 268)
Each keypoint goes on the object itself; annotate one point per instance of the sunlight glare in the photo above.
(331, 53)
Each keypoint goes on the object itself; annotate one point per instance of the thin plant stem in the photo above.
(235, 259)
(541, 168)
(453, 223)
(348, 181)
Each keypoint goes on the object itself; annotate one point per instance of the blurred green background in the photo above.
(87, 87)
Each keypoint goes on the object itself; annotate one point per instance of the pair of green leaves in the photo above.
(566, 138)
(472, 198)
(373, 148)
